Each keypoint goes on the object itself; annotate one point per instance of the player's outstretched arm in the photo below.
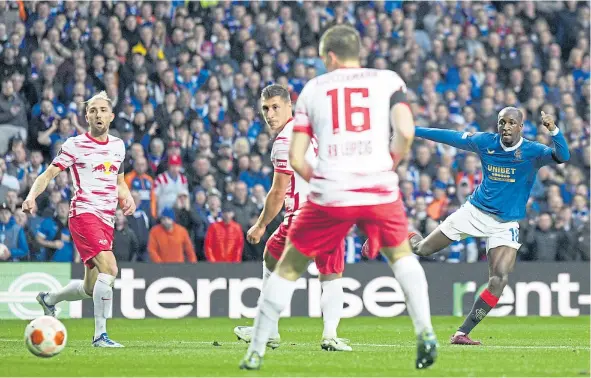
(39, 186)
(453, 138)
(404, 131)
(559, 153)
(272, 207)
(125, 199)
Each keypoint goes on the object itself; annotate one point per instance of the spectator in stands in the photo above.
(54, 237)
(12, 236)
(169, 184)
(224, 240)
(255, 174)
(140, 223)
(169, 242)
(139, 180)
(186, 215)
(544, 242)
(125, 242)
(461, 65)
(13, 116)
(245, 210)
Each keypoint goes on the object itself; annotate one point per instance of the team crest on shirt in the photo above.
(107, 168)
(518, 156)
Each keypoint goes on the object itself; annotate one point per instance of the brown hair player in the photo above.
(352, 111)
(291, 189)
(95, 160)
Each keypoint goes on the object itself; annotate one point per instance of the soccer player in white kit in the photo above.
(290, 188)
(350, 110)
(95, 160)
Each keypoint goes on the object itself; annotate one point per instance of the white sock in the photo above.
(331, 303)
(275, 298)
(410, 275)
(266, 274)
(74, 291)
(102, 297)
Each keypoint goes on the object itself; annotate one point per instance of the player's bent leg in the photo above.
(74, 291)
(501, 261)
(433, 243)
(275, 298)
(102, 296)
(331, 303)
(244, 333)
(410, 275)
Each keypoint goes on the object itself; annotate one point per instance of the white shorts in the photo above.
(468, 220)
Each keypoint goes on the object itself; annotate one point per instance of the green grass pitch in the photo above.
(513, 346)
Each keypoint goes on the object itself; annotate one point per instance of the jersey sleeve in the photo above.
(121, 165)
(557, 155)
(66, 157)
(280, 157)
(302, 116)
(464, 141)
(397, 89)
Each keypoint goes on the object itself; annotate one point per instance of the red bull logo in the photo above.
(106, 167)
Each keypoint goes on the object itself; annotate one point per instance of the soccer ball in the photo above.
(45, 336)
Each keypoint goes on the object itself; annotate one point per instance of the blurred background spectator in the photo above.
(185, 79)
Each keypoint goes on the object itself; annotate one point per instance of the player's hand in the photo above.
(29, 206)
(548, 121)
(58, 244)
(128, 206)
(255, 234)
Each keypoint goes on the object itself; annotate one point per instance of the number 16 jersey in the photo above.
(348, 110)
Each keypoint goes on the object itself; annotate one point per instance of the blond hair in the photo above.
(102, 95)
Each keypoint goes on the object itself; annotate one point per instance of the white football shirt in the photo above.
(94, 167)
(348, 110)
(298, 189)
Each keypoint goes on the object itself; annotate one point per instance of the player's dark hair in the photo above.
(275, 90)
(341, 40)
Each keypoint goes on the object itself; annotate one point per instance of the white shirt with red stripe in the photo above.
(94, 167)
(167, 189)
(298, 189)
(348, 110)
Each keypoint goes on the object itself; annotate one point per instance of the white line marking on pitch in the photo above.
(288, 344)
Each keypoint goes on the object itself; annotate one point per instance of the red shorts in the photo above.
(319, 230)
(330, 263)
(91, 236)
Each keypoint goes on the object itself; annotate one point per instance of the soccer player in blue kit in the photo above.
(510, 164)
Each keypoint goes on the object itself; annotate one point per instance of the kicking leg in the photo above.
(276, 296)
(410, 275)
(331, 303)
(501, 261)
(74, 291)
(433, 243)
(244, 333)
(102, 296)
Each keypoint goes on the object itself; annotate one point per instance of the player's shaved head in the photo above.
(511, 111)
(343, 41)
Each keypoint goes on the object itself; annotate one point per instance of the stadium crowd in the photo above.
(185, 79)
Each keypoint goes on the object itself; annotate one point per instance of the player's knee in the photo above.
(89, 287)
(270, 261)
(287, 271)
(423, 249)
(329, 277)
(108, 267)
